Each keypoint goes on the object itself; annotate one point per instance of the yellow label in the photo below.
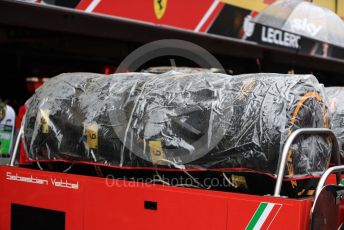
(91, 131)
(44, 120)
(160, 8)
(239, 181)
(246, 89)
(156, 152)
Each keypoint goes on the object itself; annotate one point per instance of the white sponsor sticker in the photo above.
(279, 37)
(305, 26)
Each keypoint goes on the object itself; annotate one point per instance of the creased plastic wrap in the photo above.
(188, 120)
(335, 102)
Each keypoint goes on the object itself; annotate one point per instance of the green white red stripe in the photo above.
(263, 216)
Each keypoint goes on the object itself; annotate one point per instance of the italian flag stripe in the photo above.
(264, 215)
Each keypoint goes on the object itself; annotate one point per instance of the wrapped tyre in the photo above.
(196, 121)
(67, 118)
(335, 102)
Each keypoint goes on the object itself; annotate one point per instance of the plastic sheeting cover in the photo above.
(179, 120)
(335, 102)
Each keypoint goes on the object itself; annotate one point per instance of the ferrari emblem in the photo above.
(160, 8)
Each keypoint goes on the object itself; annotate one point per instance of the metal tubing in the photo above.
(322, 181)
(289, 142)
(16, 147)
(327, 173)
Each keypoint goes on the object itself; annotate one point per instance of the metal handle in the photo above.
(289, 142)
(327, 173)
(16, 146)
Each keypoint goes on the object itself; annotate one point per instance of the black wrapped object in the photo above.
(67, 118)
(335, 102)
(199, 121)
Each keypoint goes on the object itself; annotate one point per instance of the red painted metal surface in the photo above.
(176, 13)
(100, 203)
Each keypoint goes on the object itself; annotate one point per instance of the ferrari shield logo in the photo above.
(160, 8)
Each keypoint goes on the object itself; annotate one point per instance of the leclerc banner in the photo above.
(270, 36)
